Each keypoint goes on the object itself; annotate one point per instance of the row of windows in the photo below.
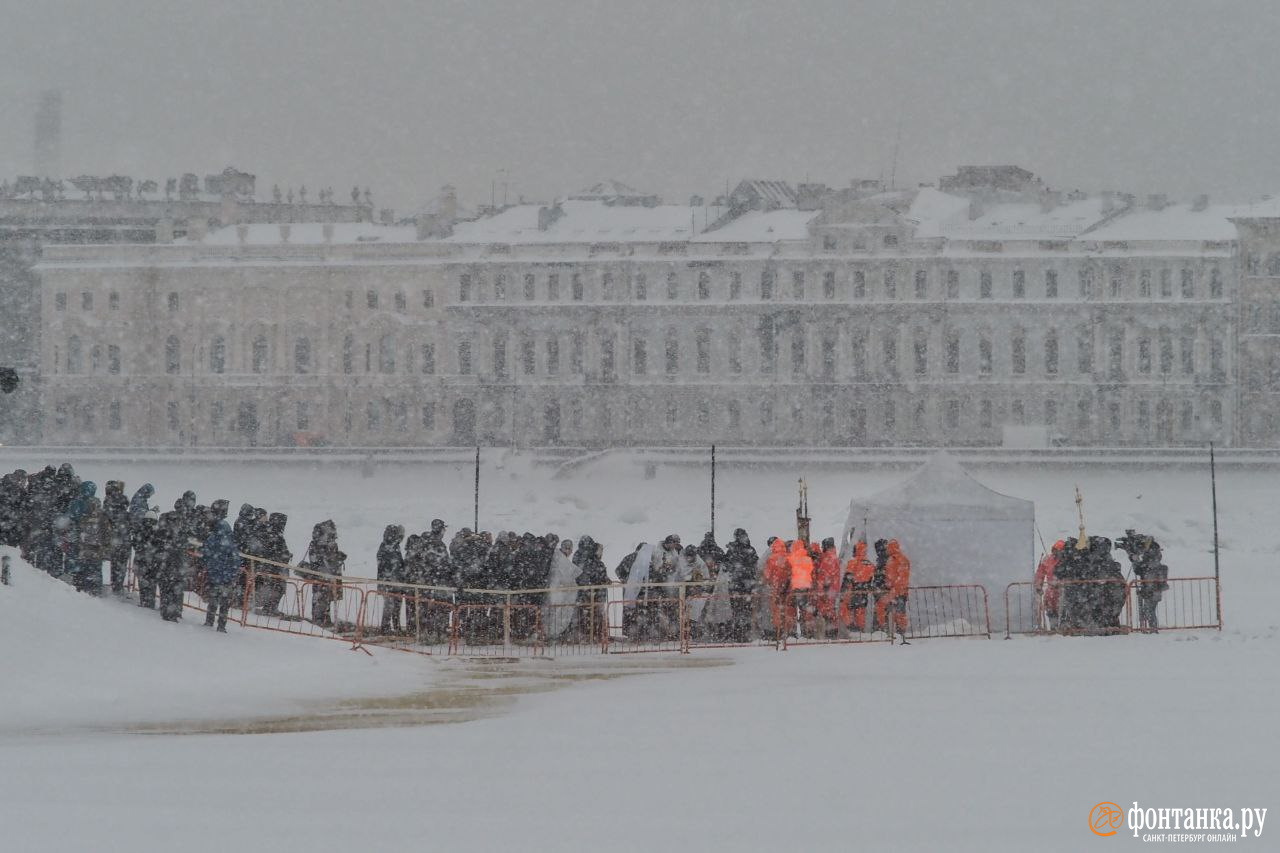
(113, 301)
(400, 416)
(1162, 353)
(893, 282)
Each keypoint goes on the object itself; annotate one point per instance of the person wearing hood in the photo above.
(777, 579)
(140, 503)
(1046, 588)
(390, 569)
(711, 553)
(592, 600)
(558, 616)
(891, 608)
(633, 572)
(691, 569)
(115, 511)
(859, 572)
(89, 539)
(826, 592)
(222, 566)
(148, 556)
(743, 564)
(801, 565)
(324, 556)
(269, 584)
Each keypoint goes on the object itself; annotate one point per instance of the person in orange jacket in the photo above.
(777, 577)
(1046, 589)
(859, 572)
(897, 576)
(826, 587)
(801, 565)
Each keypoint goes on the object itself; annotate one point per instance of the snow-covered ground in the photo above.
(940, 745)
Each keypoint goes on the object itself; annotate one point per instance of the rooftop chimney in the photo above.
(548, 215)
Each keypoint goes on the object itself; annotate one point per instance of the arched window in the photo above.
(387, 354)
(172, 359)
(302, 355)
(259, 359)
(74, 355)
(218, 355)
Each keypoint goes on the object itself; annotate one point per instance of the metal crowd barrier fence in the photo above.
(678, 617)
(956, 610)
(1186, 603)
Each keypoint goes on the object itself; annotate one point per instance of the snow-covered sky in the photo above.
(672, 97)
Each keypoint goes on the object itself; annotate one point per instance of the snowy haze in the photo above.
(671, 97)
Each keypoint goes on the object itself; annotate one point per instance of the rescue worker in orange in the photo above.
(777, 577)
(859, 572)
(1046, 589)
(826, 588)
(801, 565)
(897, 576)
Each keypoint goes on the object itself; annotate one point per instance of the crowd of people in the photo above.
(62, 527)
(1081, 588)
(731, 594)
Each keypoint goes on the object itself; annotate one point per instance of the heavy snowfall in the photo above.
(590, 425)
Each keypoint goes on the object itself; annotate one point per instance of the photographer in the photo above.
(1153, 575)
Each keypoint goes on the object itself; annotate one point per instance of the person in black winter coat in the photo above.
(592, 603)
(115, 508)
(270, 578)
(324, 556)
(391, 569)
(743, 564)
(149, 554)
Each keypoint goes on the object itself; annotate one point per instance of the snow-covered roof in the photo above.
(942, 485)
(309, 233)
(940, 214)
(762, 226)
(588, 222)
(1175, 222)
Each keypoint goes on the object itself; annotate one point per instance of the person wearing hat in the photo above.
(390, 568)
(148, 556)
(826, 592)
(115, 511)
(743, 565)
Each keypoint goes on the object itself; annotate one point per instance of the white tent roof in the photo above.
(943, 490)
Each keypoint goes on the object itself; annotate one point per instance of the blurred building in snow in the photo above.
(803, 316)
(39, 211)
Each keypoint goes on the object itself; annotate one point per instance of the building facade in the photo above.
(40, 212)
(869, 318)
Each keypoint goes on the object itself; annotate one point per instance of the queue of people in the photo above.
(62, 527)
(559, 587)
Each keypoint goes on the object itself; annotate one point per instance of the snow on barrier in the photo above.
(957, 610)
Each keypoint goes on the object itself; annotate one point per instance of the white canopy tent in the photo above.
(953, 529)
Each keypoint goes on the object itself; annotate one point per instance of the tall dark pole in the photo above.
(1213, 486)
(713, 491)
(476, 521)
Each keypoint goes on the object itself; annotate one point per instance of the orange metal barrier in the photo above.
(418, 621)
(952, 610)
(1023, 610)
(749, 621)
(647, 624)
(577, 628)
(498, 629)
(1185, 603)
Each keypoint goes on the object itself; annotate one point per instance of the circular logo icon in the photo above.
(1105, 819)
